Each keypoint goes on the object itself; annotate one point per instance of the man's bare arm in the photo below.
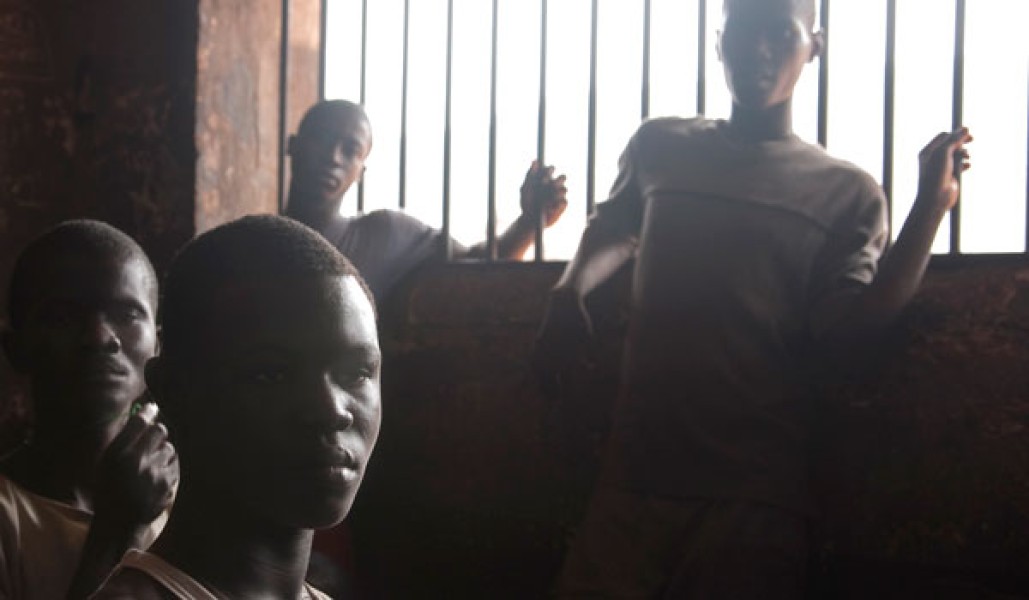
(902, 268)
(136, 479)
(539, 191)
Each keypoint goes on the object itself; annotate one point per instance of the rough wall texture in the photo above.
(304, 59)
(96, 113)
(477, 482)
(158, 116)
(237, 109)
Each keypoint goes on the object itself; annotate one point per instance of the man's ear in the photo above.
(14, 350)
(817, 44)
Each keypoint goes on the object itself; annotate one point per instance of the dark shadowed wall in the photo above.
(96, 111)
(922, 461)
(158, 116)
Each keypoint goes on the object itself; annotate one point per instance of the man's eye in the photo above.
(354, 377)
(787, 33)
(128, 314)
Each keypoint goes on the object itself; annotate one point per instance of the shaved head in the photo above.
(804, 9)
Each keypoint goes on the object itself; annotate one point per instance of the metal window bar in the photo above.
(364, 87)
(701, 56)
(645, 78)
(1027, 163)
(447, 249)
(889, 113)
(823, 76)
(402, 189)
(283, 105)
(889, 104)
(541, 128)
(958, 116)
(491, 192)
(323, 35)
(591, 135)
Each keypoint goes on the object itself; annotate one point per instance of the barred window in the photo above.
(463, 94)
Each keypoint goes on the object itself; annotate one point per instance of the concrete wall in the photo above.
(238, 103)
(922, 461)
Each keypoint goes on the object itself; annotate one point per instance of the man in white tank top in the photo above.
(269, 378)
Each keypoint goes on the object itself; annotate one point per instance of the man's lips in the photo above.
(329, 178)
(334, 468)
(105, 370)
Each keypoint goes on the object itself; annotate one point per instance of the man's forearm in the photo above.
(102, 551)
(900, 275)
(511, 245)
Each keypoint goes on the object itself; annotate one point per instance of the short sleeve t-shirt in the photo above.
(41, 543)
(385, 246)
(745, 252)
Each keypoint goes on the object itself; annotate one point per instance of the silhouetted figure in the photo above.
(754, 252)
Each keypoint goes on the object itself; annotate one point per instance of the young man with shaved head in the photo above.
(269, 378)
(93, 477)
(755, 252)
(328, 155)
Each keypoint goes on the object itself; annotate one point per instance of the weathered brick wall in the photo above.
(96, 113)
(158, 116)
(923, 463)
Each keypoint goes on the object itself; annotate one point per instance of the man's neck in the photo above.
(60, 464)
(237, 556)
(759, 125)
(302, 207)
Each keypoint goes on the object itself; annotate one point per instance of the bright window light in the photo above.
(993, 214)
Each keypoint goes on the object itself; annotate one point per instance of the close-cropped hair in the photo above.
(79, 238)
(256, 247)
(806, 8)
(314, 114)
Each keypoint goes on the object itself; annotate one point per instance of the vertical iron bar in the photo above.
(645, 79)
(958, 116)
(1027, 162)
(364, 91)
(701, 56)
(888, 108)
(823, 77)
(447, 250)
(323, 37)
(541, 128)
(591, 141)
(402, 190)
(283, 104)
(491, 194)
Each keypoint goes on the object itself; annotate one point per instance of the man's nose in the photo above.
(339, 155)
(330, 405)
(98, 333)
(762, 47)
